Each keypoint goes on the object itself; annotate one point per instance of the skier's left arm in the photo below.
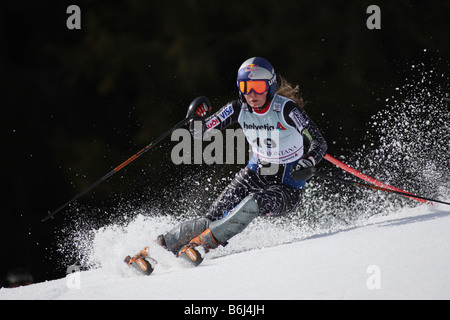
(315, 144)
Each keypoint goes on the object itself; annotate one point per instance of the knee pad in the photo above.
(236, 221)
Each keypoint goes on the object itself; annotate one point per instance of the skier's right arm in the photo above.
(223, 118)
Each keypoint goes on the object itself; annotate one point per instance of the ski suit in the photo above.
(280, 134)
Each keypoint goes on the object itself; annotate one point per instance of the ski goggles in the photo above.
(258, 86)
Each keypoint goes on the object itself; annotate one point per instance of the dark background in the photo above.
(76, 103)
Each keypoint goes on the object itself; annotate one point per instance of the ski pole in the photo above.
(191, 115)
(356, 183)
(362, 176)
(118, 168)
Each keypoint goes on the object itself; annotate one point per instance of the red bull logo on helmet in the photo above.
(251, 68)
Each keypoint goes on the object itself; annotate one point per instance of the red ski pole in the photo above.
(369, 179)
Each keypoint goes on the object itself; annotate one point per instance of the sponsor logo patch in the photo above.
(226, 112)
(280, 126)
(212, 123)
(251, 68)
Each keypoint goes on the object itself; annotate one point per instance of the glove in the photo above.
(303, 169)
(199, 109)
(202, 110)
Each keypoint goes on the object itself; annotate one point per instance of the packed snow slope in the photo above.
(403, 255)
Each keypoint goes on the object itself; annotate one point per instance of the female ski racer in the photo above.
(286, 146)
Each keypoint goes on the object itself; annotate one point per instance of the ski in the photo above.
(141, 262)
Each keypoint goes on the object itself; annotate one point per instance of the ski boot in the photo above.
(192, 255)
(140, 262)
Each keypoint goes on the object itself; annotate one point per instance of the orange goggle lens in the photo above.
(259, 86)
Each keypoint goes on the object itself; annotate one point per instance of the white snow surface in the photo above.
(403, 255)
